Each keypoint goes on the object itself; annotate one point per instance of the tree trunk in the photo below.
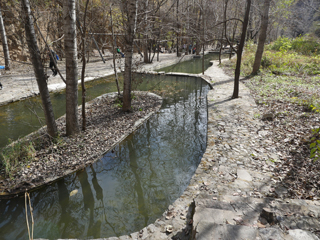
(70, 45)
(145, 51)
(178, 28)
(262, 37)
(113, 51)
(221, 45)
(224, 29)
(130, 8)
(203, 60)
(84, 37)
(38, 69)
(145, 41)
(4, 43)
(240, 49)
(198, 44)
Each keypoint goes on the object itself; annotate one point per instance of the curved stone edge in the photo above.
(204, 77)
(53, 88)
(179, 214)
(136, 125)
(183, 207)
(57, 87)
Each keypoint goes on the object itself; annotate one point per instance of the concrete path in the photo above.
(21, 84)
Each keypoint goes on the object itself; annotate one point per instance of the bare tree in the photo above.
(129, 9)
(240, 49)
(4, 43)
(70, 44)
(262, 37)
(113, 51)
(38, 68)
(83, 71)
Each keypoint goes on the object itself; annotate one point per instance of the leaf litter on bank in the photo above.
(290, 134)
(54, 158)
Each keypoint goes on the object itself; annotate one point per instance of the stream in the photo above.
(130, 186)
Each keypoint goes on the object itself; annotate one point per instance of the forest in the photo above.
(273, 48)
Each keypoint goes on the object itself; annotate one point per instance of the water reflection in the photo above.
(194, 65)
(23, 117)
(130, 186)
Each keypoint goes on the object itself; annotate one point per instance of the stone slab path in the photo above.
(233, 195)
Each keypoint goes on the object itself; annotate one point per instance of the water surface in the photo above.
(194, 65)
(23, 117)
(20, 118)
(131, 186)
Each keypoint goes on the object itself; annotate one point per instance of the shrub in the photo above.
(315, 144)
(282, 44)
(16, 154)
(281, 58)
(303, 45)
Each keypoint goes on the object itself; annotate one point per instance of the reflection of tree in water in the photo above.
(132, 185)
(69, 226)
(96, 186)
(167, 145)
(142, 207)
(96, 229)
(11, 211)
(169, 87)
(88, 199)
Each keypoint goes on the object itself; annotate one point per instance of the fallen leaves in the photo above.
(106, 125)
(289, 132)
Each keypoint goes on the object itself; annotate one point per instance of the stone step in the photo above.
(216, 215)
(207, 230)
(213, 231)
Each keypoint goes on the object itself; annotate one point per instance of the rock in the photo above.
(169, 228)
(267, 116)
(281, 191)
(124, 237)
(244, 175)
(238, 220)
(271, 234)
(268, 215)
(74, 192)
(207, 231)
(298, 234)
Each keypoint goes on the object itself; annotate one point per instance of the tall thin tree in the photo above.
(262, 37)
(70, 44)
(240, 50)
(83, 71)
(178, 28)
(38, 68)
(4, 43)
(113, 51)
(129, 8)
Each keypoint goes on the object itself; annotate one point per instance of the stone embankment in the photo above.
(233, 193)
